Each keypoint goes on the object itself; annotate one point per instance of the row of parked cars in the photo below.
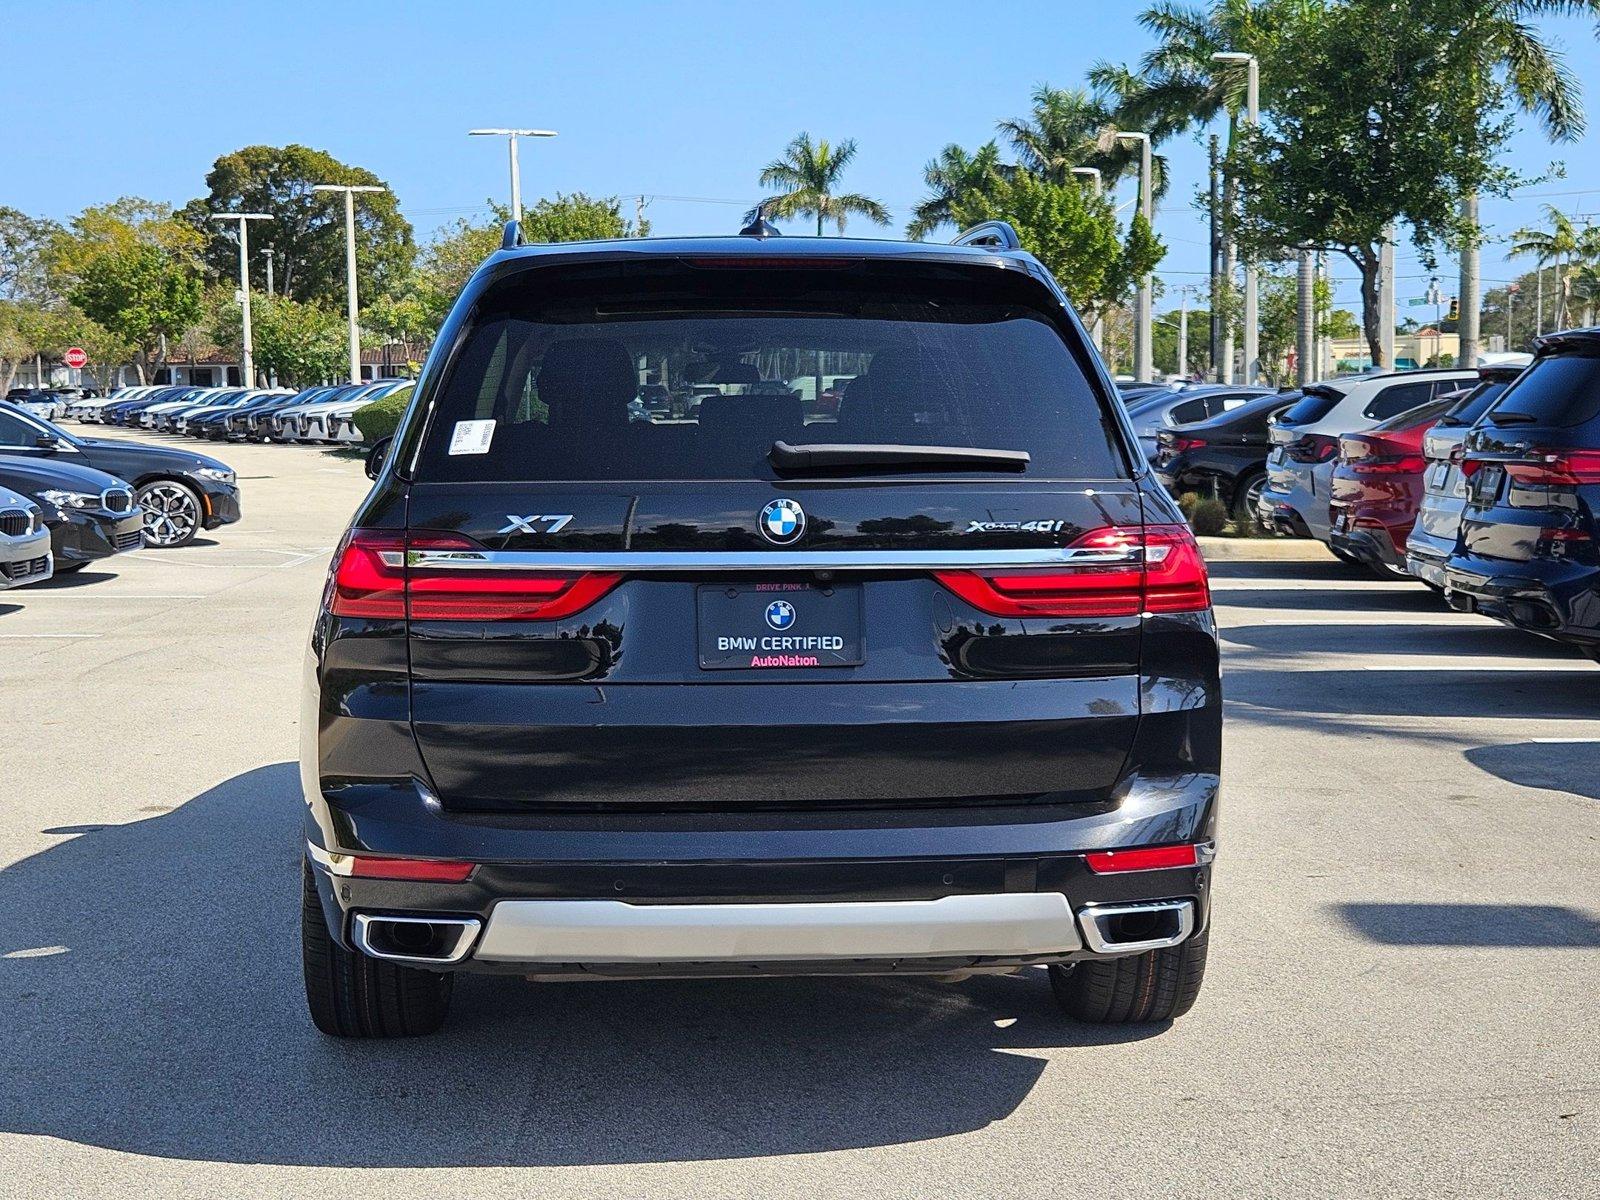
(319, 414)
(1481, 484)
(67, 501)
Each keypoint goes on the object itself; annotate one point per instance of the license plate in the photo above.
(1437, 474)
(767, 626)
(1485, 484)
(1277, 456)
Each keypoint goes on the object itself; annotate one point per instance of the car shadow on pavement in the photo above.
(150, 981)
(1558, 766)
(63, 580)
(1485, 640)
(1493, 926)
(1302, 697)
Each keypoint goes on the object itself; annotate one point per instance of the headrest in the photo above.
(587, 381)
(771, 415)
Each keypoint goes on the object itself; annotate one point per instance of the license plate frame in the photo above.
(769, 625)
(1484, 486)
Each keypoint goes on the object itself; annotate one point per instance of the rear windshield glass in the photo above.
(1473, 405)
(1562, 390)
(1412, 417)
(1313, 406)
(694, 374)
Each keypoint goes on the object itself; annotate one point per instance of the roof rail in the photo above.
(997, 234)
(511, 237)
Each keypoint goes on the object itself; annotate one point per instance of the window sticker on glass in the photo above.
(472, 437)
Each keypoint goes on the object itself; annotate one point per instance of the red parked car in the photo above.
(1377, 487)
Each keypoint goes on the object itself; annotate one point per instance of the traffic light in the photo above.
(1455, 309)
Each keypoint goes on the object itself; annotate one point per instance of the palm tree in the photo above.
(951, 178)
(1555, 246)
(1065, 128)
(810, 171)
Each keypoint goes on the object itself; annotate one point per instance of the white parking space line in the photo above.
(26, 637)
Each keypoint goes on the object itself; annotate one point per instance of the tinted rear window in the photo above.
(560, 380)
(1413, 417)
(1313, 406)
(1562, 390)
(1477, 402)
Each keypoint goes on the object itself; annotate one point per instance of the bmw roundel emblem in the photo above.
(783, 521)
(780, 614)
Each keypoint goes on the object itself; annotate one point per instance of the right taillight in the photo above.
(1557, 468)
(1121, 572)
(380, 576)
(1312, 448)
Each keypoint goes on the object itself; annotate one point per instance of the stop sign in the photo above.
(75, 357)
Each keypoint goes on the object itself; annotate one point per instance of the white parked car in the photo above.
(24, 542)
(1305, 439)
(90, 411)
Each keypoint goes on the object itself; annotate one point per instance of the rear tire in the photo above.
(1159, 985)
(1246, 492)
(354, 996)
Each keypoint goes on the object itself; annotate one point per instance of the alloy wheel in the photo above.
(171, 513)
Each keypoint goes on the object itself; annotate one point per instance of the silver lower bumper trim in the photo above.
(614, 931)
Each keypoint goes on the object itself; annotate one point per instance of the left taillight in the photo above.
(376, 577)
(1121, 572)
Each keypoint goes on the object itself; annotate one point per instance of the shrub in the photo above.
(382, 417)
(1209, 518)
(1186, 505)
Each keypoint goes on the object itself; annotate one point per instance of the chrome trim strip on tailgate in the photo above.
(614, 931)
(633, 561)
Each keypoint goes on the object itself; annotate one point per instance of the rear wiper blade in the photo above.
(1512, 418)
(835, 455)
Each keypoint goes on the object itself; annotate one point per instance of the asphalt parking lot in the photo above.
(1403, 996)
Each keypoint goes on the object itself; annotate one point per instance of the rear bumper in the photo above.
(819, 893)
(1372, 547)
(1558, 600)
(1426, 555)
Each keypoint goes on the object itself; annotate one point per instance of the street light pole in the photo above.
(247, 366)
(1252, 108)
(350, 191)
(511, 136)
(1143, 357)
(1098, 333)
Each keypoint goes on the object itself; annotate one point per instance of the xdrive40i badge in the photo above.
(782, 522)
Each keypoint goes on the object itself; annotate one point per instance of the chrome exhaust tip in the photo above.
(424, 941)
(1136, 928)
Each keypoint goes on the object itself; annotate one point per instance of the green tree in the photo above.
(1072, 232)
(1065, 128)
(24, 244)
(1558, 246)
(133, 268)
(306, 233)
(810, 172)
(578, 218)
(1370, 127)
(301, 344)
(951, 178)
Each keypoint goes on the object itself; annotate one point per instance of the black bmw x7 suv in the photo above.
(928, 684)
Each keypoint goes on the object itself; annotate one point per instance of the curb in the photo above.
(1264, 549)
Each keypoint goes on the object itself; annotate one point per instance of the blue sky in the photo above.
(683, 102)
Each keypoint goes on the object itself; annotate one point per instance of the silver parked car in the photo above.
(1444, 489)
(24, 542)
(1305, 440)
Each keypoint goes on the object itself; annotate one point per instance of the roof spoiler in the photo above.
(995, 234)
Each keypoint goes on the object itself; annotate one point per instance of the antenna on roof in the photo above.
(511, 236)
(757, 225)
